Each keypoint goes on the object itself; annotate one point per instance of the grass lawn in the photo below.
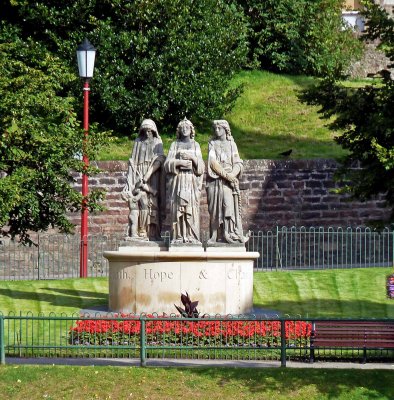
(348, 293)
(50, 382)
(57, 296)
(267, 119)
(330, 293)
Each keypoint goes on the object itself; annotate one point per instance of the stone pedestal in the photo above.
(142, 280)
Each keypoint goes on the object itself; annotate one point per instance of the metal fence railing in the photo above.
(284, 248)
(243, 337)
(54, 257)
(322, 248)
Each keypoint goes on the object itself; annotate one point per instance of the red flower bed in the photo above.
(198, 332)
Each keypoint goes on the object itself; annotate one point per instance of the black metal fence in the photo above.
(284, 248)
(242, 337)
(322, 248)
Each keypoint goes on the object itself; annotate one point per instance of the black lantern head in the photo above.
(86, 55)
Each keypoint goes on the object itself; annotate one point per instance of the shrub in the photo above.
(300, 36)
(365, 116)
(163, 59)
(40, 136)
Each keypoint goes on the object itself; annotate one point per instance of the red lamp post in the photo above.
(86, 54)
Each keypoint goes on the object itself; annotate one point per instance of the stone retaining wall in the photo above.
(371, 62)
(290, 192)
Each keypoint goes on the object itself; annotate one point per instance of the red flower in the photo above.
(227, 330)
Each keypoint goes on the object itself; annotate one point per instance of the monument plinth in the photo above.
(145, 276)
(146, 281)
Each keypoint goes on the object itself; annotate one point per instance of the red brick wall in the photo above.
(291, 192)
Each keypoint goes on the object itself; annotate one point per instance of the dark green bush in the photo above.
(300, 36)
(40, 136)
(163, 59)
(366, 117)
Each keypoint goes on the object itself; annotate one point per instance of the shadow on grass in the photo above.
(258, 145)
(66, 298)
(327, 308)
(315, 383)
(309, 308)
(75, 292)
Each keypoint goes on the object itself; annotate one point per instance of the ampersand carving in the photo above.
(203, 274)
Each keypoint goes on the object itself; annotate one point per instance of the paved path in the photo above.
(135, 362)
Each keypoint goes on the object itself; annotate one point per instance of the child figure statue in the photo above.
(143, 189)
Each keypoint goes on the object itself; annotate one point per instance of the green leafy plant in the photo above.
(40, 138)
(300, 36)
(365, 115)
(163, 59)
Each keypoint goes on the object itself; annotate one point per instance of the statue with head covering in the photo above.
(144, 187)
(185, 167)
(223, 194)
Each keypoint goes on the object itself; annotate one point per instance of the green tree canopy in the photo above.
(40, 137)
(300, 36)
(163, 59)
(366, 115)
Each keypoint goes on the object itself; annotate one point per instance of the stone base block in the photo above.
(152, 281)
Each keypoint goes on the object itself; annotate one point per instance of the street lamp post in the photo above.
(86, 54)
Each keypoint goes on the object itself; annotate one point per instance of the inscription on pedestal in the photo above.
(203, 274)
(158, 275)
(236, 274)
(150, 274)
(222, 283)
(123, 275)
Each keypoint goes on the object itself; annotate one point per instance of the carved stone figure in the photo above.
(185, 167)
(224, 201)
(143, 188)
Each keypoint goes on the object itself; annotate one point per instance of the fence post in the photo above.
(312, 343)
(2, 347)
(282, 343)
(143, 341)
(276, 248)
(392, 246)
(38, 257)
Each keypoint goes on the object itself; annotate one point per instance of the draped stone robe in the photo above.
(184, 191)
(145, 154)
(223, 200)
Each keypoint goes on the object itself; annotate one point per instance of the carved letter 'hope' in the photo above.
(158, 275)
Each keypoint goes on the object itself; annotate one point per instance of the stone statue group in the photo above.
(149, 171)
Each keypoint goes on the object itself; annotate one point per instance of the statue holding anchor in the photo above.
(224, 201)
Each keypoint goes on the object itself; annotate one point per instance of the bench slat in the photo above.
(367, 334)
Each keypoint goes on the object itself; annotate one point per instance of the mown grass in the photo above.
(57, 296)
(268, 118)
(59, 382)
(330, 293)
(349, 293)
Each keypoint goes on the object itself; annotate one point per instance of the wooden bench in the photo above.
(352, 335)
